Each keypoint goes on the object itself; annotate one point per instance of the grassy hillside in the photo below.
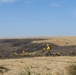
(39, 66)
(62, 45)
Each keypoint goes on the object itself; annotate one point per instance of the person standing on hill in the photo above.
(49, 48)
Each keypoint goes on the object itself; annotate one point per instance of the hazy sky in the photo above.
(20, 18)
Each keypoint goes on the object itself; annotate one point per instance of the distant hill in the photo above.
(62, 45)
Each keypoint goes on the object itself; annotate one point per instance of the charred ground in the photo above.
(9, 46)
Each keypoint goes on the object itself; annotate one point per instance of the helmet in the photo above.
(47, 44)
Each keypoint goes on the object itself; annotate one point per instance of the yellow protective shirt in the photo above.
(48, 47)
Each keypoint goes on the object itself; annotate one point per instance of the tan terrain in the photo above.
(51, 65)
(38, 65)
(60, 41)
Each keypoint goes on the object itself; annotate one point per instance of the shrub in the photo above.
(15, 53)
(71, 69)
(26, 71)
(3, 69)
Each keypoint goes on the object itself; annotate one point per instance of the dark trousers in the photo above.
(49, 52)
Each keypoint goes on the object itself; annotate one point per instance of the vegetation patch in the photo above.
(71, 69)
(3, 69)
(26, 71)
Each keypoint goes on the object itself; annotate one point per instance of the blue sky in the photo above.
(22, 18)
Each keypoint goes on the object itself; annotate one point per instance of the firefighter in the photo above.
(49, 48)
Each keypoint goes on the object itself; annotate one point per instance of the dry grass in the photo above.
(71, 69)
(39, 65)
(26, 71)
(61, 41)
